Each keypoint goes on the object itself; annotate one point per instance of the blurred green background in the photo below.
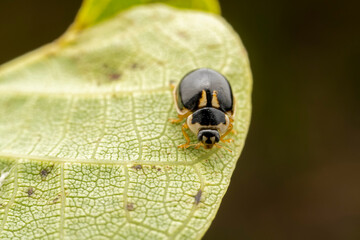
(299, 174)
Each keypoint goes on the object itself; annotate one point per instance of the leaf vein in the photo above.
(12, 200)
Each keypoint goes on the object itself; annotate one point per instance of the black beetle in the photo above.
(204, 97)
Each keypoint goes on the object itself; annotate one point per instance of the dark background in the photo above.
(299, 174)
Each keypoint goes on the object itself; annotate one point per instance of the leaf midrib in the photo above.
(12, 199)
(88, 93)
(49, 159)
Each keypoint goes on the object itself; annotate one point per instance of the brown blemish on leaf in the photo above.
(130, 207)
(183, 35)
(198, 197)
(57, 198)
(135, 66)
(60, 196)
(114, 76)
(114, 94)
(30, 191)
(137, 167)
(44, 172)
(159, 62)
(156, 168)
(212, 46)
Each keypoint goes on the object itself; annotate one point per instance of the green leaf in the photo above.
(86, 149)
(95, 11)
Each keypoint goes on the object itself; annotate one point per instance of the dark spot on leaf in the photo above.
(198, 197)
(57, 198)
(44, 172)
(135, 66)
(30, 191)
(159, 169)
(114, 76)
(130, 207)
(137, 167)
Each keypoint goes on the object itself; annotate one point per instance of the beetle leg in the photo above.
(172, 85)
(226, 133)
(229, 140)
(198, 145)
(180, 117)
(187, 144)
(219, 146)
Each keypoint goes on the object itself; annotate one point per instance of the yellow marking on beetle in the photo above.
(203, 99)
(215, 100)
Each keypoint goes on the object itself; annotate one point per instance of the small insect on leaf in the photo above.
(204, 98)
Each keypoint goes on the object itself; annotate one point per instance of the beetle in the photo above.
(204, 98)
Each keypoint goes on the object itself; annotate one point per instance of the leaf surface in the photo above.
(86, 149)
(95, 11)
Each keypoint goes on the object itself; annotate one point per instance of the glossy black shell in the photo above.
(189, 90)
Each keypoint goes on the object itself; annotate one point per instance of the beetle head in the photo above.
(208, 137)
